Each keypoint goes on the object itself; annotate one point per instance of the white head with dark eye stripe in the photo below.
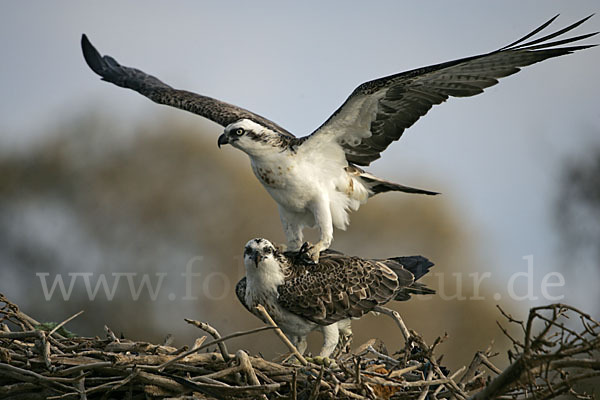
(250, 137)
(258, 250)
(263, 264)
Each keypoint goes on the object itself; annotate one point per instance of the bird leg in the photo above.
(324, 222)
(331, 336)
(300, 343)
(343, 346)
(345, 328)
(293, 231)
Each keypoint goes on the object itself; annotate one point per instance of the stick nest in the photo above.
(45, 361)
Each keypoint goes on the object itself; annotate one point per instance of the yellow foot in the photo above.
(319, 360)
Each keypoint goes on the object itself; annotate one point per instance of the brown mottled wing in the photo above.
(339, 287)
(217, 111)
(378, 112)
(240, 292)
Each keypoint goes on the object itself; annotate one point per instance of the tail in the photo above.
(377, 185)
(417, 266)
(380, 186)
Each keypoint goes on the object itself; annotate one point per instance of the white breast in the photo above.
(261, 288)
(297, 180)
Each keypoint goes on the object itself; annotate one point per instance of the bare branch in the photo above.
(281, 335)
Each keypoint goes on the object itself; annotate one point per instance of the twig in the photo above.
(486, 361)
(214, 333)
(357, 375)
(397, 318)
(11, 369)
(204, 346)
(246, 366)
(450, 379)
(80, 386)
(281, 335)
(57, 327)
(294, 388)
(195, 349)
(382, 356)
(22, 335)
(110, 334)
(426, 387)
(314, 393)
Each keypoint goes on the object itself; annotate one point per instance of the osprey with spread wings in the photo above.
(316, 179)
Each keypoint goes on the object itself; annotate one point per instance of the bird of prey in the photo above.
(316, 179)
(302, 296)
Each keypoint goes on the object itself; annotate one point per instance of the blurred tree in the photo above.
(578, 210)
(162, 200)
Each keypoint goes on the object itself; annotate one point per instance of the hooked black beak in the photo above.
(222, 140)
(256, 257)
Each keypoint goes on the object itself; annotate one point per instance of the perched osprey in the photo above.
(303, 296)
(315, 179)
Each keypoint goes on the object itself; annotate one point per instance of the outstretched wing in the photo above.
(378, 112)
(339, 287)
(217, 111)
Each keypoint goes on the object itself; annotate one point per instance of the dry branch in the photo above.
(281, 335)
(551, 358)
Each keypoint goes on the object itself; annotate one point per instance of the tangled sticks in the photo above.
(559, 349)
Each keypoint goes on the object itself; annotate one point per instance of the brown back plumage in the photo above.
(341, 287)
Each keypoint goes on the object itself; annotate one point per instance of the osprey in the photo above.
(302, 296)
(316, 179)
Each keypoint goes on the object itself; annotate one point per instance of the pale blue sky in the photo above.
(498, 154)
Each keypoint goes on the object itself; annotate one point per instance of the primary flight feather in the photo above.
(316, 179)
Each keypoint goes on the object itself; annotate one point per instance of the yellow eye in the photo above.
(239, 131)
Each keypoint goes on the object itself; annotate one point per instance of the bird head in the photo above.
(265, 265)
(258, 251)
(250, 137)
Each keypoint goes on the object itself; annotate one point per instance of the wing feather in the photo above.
(215, 110)
(377, 112)
(338, 287)
(240, 292)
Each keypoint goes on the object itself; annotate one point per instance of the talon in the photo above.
(306, 254)
(305, 248)
(313, 253)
